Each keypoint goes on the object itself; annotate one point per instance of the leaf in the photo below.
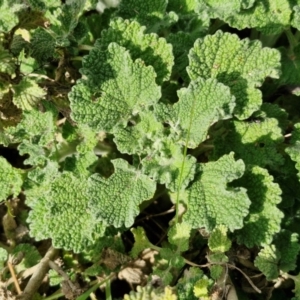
(126, 88)
(242, 65)
(69, 15)
(201, 288)
(183, 6)
(61, 213)
(152, 49)
(7, 63)
(3, 257)
(210, 193)
(268, 16)
(27, 94)
(8, 14)
(287, 244)
(42, 44)
(164, 164)
(10, 180)
(296, 290)
(30, 255)
(139, 139)
(115, 200)
(34, 133)
(254, 141)
(141, 241)
(179, 236)
(182, 42)
(294, 149)
(267, 261)
(186, 283)
(168, 263)
(149, 293)
(147, 12)
(220, 9)
(218, 240)
(264, 219)
(200, 105)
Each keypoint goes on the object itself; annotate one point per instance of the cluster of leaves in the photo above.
(117, 106)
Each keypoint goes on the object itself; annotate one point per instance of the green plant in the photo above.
(189, 102)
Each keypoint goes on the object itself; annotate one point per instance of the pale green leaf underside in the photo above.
(10, 180)
(209, 196)
(154, 51)
(121, 88)
(200, 105)
(61, 213)
(240, 64)
(116, 200)
(264, 219)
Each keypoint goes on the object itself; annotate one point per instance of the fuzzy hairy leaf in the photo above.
(7, 64)
(179, 236)
(200, 105)
(164, 164)
(30, 255)
(115, 200)
(182, 42)
(154, 51)
(141, 241)
(290, 68)
(151, 13)
(254, 141)
(288, 244)
(210, 193)
(294, 149)
(62, 213)
(122, 88)
(242, 65)
(8, 14)
(221, 9)
(264, 219)
(10, 180)
(201, 288)
(27, 94)
(268, 16)
(218, 240)
(149, 293)
(183, 6)
(267, 261)
(43, 44)
(186, 283)
(34, 133)
(139, 139)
